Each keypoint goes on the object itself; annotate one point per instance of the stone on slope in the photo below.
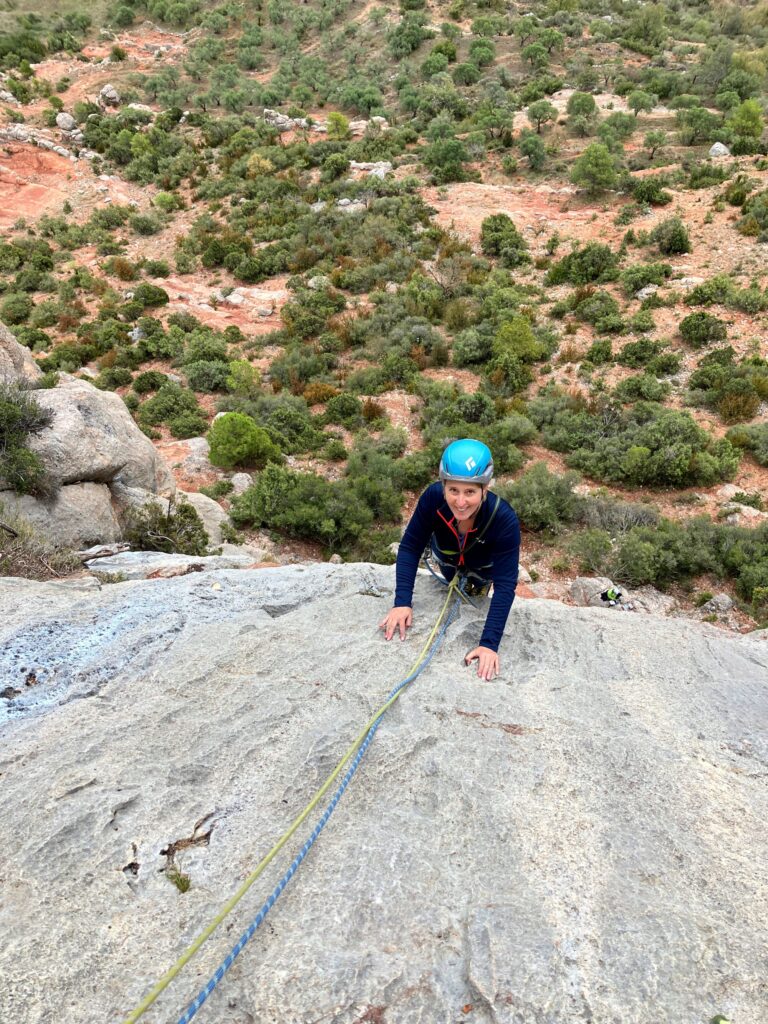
(580, 839)
(80, 514)
(93, 437)
(211, 513)
(17, 365)
(142, 565)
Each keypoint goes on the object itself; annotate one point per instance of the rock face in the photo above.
(92, 448)
(580, 839)
(16, 362)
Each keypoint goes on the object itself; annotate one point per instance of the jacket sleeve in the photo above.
(506, 559)
(415, 539)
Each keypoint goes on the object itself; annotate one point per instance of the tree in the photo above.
(581, 104)
(536, 55)
(595, 169)
(338, 127)
(540, 113)
(747, 120)
(654, 140)
(696, 125)
(639, 100)
(532, 146)
(445, 158)
(236, 440)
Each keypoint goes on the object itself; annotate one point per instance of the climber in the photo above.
(469, 530)
(612, 596)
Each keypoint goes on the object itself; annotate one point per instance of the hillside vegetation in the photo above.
(482, 219)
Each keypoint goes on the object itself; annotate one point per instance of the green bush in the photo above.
(592, 550)
(21, 417)
(304, 505)
(174, 527)
(187, 424)
(754, 438)
(345, 409)
(700, 329)
(171, 401)
(150, 295)
(149, 380)
(236, 440)
(645, 445)
(499, 237)
(671, 237)
(15, 309)
(592, 262)
(207, 375)
(544, 500)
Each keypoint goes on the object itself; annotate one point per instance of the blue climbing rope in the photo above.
(206, 991)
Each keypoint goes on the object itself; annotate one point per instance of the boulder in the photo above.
(240, 483)
(92, 436)
(211, 513)
(109, 96)
(585, 591)
(720, 604)
(17, 365)
(66, 122)
(79, 515)
(582, 838)
(718, 149)
(143, 565)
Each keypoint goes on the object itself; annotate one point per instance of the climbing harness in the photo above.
(352, 759)
(464, 547)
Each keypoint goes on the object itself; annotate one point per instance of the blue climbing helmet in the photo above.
(467, 461)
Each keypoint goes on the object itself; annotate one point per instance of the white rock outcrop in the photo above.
(93, 451)
(582, 838)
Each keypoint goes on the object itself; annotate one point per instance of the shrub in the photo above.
(145, 224)
(591, 549)
(15, 309)
(207, 375)
(236, 440)
(21, 417)
(700, 329)
(175, 528)
(753, 437)
(170, 401)
(149, 380)
(187, 424)
(499, 237)
(593, 262)
(150, 295)
(638, 353)
(544, 500)
(471, 347)
(650, 191)
(671, 237)
(304, 505)
(344, 408)
(641, 274)
(645, 445)
(595, 170)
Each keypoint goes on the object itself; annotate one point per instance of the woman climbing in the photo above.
(469, 530)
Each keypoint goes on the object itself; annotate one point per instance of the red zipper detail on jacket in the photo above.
(457, 535)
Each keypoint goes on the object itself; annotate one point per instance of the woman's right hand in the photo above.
(397, 619)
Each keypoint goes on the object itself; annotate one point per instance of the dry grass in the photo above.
(24, 553)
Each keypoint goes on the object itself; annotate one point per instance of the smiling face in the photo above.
(464, 500)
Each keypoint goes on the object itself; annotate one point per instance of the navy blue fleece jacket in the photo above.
(495, 556)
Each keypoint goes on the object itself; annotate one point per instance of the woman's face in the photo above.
(464, 500)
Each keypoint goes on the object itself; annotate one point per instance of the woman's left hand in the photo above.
(487, 662)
